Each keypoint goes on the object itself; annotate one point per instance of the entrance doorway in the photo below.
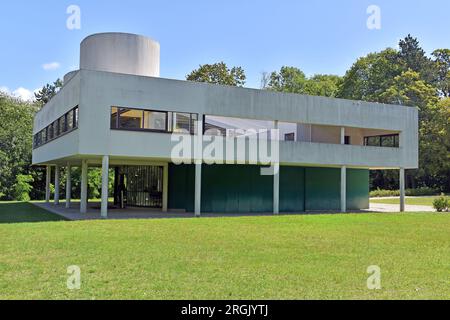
(141, 186)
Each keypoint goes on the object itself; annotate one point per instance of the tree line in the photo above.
(405, 76)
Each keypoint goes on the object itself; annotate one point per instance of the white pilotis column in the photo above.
(57, 175)
(198, 189)
(344, 189)
(47, 184)
(68, 185)
(198, 156)
(105, 185)
(84, 186)
(402, 189)
(342, 135)
(165, 188)
(276, 188)
(276, 180)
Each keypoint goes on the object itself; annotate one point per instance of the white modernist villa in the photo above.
(116, 113)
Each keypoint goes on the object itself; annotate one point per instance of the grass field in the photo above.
(418, 201)
(285, 257)
(16, 212)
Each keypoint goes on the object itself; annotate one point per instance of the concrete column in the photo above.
(68, 185)
(342, 135)
(276, 189)
(57, 175)
(198, 190)
(402, 189)
(276, 181)
(198, 146)
(105, 185)
(84, 186)
(47, 184)
(166, 188)
(344, 189)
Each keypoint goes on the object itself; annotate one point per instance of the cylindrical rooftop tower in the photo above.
(121, 53)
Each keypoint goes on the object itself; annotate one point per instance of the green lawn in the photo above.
(419, 201)
(16, 212)
(285, 257)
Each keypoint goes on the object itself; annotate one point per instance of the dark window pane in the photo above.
(114, 117)
(373, 141)
(130, 119)
(56, 128)
(62, 124)
(70, 120)
(50, 132)
(194, 119)
(182, 122)
(289, 137)
(387, 141)
(396, 141)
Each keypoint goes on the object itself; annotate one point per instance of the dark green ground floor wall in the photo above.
(241, 188)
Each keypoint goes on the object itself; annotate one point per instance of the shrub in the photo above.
(424, 191)
(384, 193)
(22, 187)
(442, 204)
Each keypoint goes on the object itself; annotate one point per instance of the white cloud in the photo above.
(51, 66)
(5, 90)
(22, 93)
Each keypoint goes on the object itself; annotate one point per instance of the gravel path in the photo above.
(384, 207)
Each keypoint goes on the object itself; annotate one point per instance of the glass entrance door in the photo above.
(144, 186)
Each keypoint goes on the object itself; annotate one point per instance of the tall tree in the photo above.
(407, 77)
(48, 91)
(442, 61)
(293, 80)
(370, 76)
(323, 85)
(288, 79)
(16, 119)
(412, 56)
(218, 73)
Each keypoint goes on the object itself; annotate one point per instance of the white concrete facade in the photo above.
(95, 91)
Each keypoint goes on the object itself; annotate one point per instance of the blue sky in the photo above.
(320, 36)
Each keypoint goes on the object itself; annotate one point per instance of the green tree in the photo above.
(16, 126)
(413, 57)
(408, 89)
(407, 77)
(48, 91)
(442, 61)
(293, 80)
(370, 76)
(323, 85)
(23, 187)
(218, 73)
(288, 79)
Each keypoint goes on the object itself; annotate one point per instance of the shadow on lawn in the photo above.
(23, 212)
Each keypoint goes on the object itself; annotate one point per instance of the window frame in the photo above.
(56, 128)
(395, 136)
(169, 123)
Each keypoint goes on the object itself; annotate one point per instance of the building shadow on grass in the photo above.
(24, 212)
